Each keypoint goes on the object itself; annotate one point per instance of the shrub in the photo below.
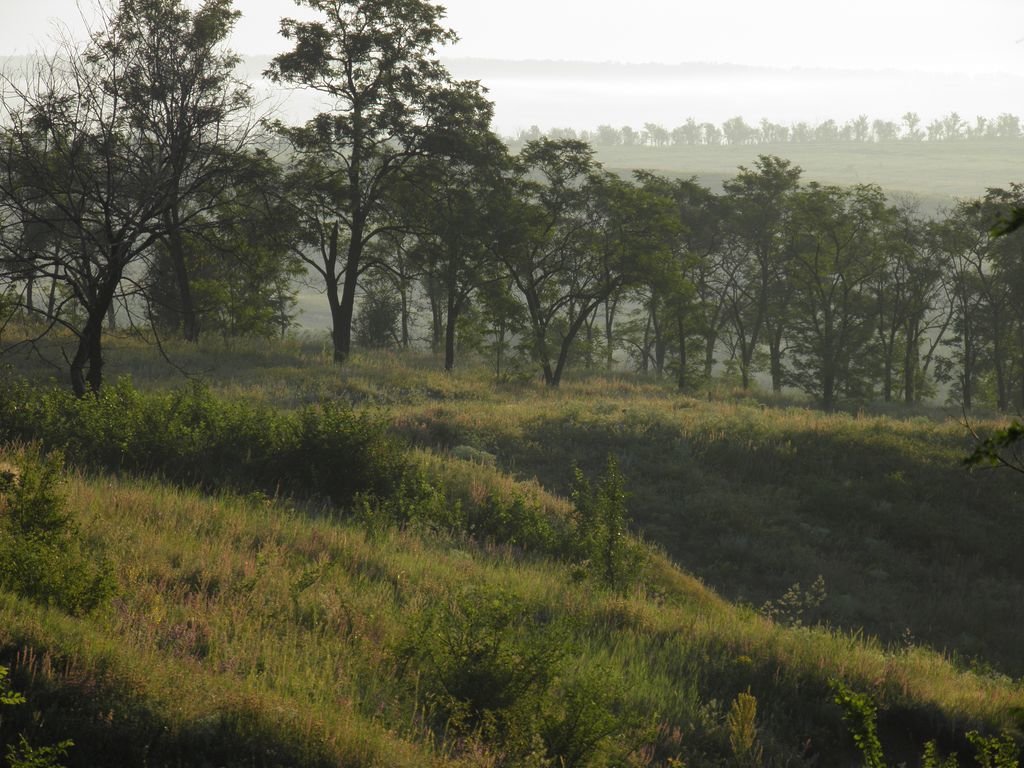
(742, 725)
(601, 542)
(516, 521)
(193, 437)
(485, 661)
(860, 715)
(23, 754)
(41, 555)
(585, 712)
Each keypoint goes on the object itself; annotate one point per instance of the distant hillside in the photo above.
(936, 173)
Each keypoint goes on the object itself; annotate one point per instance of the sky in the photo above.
(975, 36)
(968, 37)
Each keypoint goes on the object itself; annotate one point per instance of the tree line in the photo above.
(737, 132)
(139, 187)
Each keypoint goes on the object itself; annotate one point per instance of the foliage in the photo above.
(518, 521)
(601, 542)
(325, 450)
(1001, 448)
(792, 608)
(493, 666)
(486, 662)
(994, 751)
(742, 725)
(23, 754)
(860, 716)
(42, 555)
(586, 718)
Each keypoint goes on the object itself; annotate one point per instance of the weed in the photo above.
(742, 725)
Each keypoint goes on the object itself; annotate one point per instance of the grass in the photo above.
(936, 172)
(244, 628)
(248, 630)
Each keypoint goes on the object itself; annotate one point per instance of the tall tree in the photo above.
(389, 101)
(454, 206)
(180, 88)
(757, 298)
(565, 251)
(838, 249)
(76, 164)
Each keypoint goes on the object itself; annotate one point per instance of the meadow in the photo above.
(457, 622)
(935, 173)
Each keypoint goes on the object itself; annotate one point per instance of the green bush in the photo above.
(860, 715)
(585, 712)
(416, 502)
(601, 542)
(516, 521)
(191, 436)
(41, 555)
(485, 662)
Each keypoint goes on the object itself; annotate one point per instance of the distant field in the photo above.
(937, 173)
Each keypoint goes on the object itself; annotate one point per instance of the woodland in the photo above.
(593, 466)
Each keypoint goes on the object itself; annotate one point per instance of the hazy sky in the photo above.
(939, 35)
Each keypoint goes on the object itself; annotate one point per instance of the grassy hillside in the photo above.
(936, 172)
(247, 629)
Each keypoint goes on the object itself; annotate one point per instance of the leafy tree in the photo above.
(239, 258)
(757, 292)
(548, 250)
(736, 131)
(456, 205)
(837, 252)
(910, 121)
(77, 165)
(390, 102)
(180, 88)
(979, 300)
(907, 309)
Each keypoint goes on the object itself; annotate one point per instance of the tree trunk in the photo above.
(333, 300)
(775, 353)
(910, 363)
(566, 346)
(449, 334)
(176, 250)
(346, 308)
(681, 374)
(86, 369)
(828, 391)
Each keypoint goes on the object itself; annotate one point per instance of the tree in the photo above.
(837, 251)
(564, 246)
(456, 204)
(391, 101)
(911, 120)
(180, 88)
(736, 131)
(907, 309)
(239, 258)
(757, 292)
(77, 165)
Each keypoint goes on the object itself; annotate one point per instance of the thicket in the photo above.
(326, 451)
(329, 453)
(861, 715)
(493, 667)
